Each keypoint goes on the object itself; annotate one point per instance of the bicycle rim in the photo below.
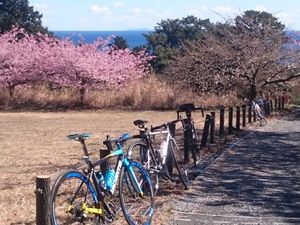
(179, 164)
(137, 209)
(71, 193)
(139, 152)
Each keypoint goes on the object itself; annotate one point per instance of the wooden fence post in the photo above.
(265, 105)
(282, 102)
(222, 112)
(244, 115)
(279, 103)
(105, 165)
(230, 118)
(205, 131)
(212, 127)
(42, 200)
(238, 117)
(254, 116)
(249, 114)
(276, 104)
(186, 140)
(271, 106)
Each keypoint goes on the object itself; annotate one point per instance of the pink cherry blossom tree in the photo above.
(16, 59)
(41, 58)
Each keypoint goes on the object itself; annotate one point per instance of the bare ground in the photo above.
(35, 144)
(255, 181)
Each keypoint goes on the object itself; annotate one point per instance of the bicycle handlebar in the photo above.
(120, 140)
(123, 138)
(166, 124)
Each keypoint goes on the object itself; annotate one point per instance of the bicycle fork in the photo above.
(133, 179)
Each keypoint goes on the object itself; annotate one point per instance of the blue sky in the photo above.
(145, 14)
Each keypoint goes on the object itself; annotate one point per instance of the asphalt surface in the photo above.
(255, 181)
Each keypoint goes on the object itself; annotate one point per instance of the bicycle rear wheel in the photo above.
(138, 208)
(138, 151)
(179, 164)
(72, 199)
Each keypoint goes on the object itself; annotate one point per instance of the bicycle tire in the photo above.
(179, 164)
(76, 187)
(169, 163)
(136, 209)
(138, 152)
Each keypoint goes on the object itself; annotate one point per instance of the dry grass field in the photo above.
(35, 144)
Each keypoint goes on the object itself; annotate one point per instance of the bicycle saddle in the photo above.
(139, 122)
(76, 137)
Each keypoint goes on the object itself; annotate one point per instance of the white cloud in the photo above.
(118, 4)
(100, 10)
(139, 11)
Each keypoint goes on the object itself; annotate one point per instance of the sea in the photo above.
(134, 38)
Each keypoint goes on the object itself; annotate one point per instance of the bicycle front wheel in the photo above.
(137, 207)
(179, 164)
(73, 200)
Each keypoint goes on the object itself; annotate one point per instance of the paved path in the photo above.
(257, 181)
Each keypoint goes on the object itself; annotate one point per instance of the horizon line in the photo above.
(144, 29)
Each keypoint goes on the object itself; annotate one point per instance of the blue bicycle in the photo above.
(86, 196)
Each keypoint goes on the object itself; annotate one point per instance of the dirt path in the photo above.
(256, 181)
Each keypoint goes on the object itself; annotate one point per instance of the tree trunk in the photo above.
(253, 92)
(82, 95)
(9, 102)
(11, 92)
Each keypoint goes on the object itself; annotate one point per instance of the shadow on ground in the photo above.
(259, 177)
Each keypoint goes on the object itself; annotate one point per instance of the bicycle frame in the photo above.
(168, 138)
(121, 162)
(84, 194)
(147, 136)
(156, 163)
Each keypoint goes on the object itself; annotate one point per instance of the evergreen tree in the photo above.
(170, 34)
(19, 13)
(120, 42)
